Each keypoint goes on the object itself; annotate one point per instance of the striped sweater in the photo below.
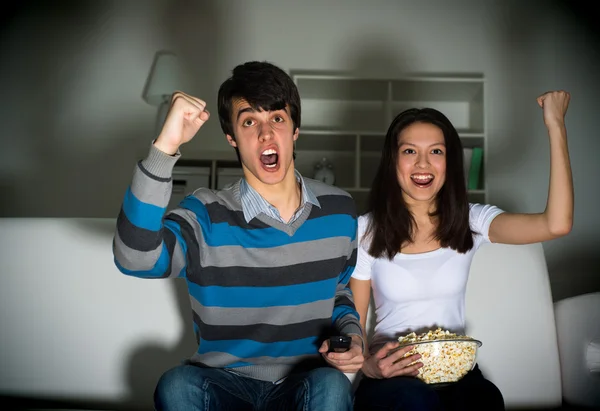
(264, 294)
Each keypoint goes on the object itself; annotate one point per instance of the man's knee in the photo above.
(333, 378)
(328, 389)
(168, 383)
(175, 384)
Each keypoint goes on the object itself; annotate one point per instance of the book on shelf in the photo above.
(474, 174)
(467, 156)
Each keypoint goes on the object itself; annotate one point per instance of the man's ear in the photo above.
(231, 141)
(296, 133)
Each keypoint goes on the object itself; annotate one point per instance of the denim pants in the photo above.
(190, 387)
(470, 393)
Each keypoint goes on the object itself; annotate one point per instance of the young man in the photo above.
(267, 260)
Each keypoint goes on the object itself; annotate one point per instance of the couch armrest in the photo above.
(578, 331)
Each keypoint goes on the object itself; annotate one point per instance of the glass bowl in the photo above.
(444, 360)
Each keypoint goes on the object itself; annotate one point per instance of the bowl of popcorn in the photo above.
(446, 357)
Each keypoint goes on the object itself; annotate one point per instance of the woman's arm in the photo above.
(557, 219)
(384, 363)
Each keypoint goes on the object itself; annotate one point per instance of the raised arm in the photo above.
(557, 219)
(145, 244)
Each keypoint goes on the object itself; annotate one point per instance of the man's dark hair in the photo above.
(264, 86)
(392, 224)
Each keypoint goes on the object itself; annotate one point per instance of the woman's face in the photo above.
(421, 167)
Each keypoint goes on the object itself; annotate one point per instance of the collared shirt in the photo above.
(253, 203)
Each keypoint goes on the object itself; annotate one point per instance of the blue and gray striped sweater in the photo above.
(264, 294)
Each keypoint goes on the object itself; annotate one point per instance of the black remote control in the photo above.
(339, 343)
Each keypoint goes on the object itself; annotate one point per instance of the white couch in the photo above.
(578, 330)
(77, 333)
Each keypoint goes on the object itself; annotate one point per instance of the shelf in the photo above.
(472, 140)
(343, 116)
(213, 170)
(477, 196)
(438, 89)
(323, 141)
(343, 89)
(369, 165)
(360, 198)
(371, 143)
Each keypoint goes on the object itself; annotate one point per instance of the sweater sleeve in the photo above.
(146, 244)
(345, 316)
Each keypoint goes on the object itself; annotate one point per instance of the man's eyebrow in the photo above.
(245, 110)
(249, 109)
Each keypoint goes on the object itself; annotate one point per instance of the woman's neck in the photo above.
(421, 210)
(423, 235)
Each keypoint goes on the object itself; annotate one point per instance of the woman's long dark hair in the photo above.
(392, 224)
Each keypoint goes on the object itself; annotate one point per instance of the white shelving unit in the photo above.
(345, 118)
(212, 170)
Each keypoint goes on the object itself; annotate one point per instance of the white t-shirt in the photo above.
(418, 292)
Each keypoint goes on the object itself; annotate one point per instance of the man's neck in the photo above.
(285, 196)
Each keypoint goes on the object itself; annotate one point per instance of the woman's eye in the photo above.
(437, 151)
(409, 151)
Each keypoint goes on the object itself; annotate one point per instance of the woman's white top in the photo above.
(418, 292)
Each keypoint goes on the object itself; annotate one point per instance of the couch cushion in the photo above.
(509, 308)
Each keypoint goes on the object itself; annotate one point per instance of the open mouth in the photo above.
(269, 159)
(422, 180)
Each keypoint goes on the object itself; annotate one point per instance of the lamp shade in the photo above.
(165, 77)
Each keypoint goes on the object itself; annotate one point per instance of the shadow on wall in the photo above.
(41, 167)
(56, 171)
(143, 368)
(536, 58)
(193, 28)
(579, 275)
(140, 370)
(88, 129)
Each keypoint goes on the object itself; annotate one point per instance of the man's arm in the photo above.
(345, 317)
(145, 243)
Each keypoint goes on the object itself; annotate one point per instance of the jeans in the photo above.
(190, 387)
(472, 392)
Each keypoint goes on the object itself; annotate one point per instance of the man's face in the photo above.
(265, 140)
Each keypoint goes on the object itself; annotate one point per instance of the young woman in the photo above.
(416, 244)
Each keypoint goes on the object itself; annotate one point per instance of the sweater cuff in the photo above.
(160, 164)
(353, 329)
